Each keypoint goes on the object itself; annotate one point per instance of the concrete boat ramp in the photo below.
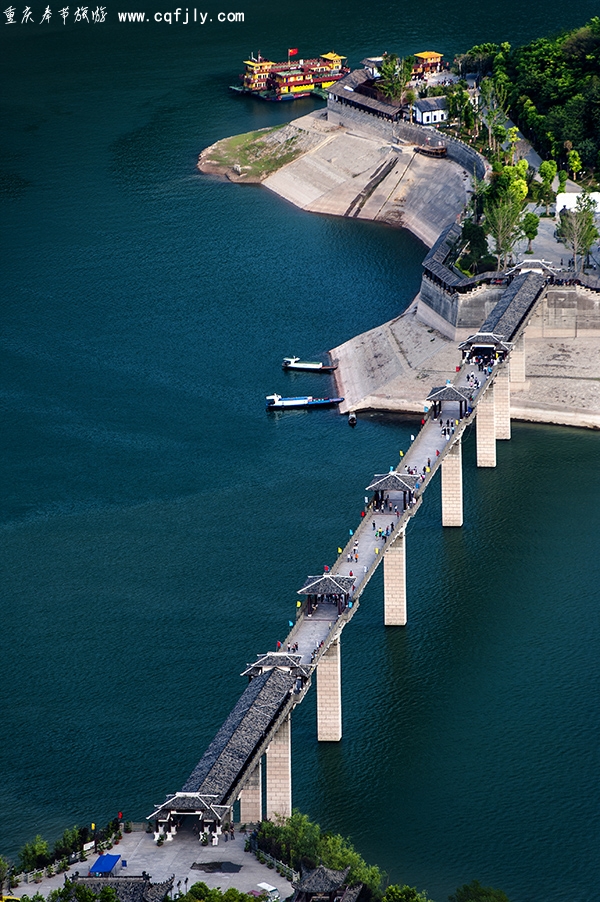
(365, 176)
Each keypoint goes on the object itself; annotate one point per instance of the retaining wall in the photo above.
(348, 116)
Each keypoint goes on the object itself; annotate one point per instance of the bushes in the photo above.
(301, 844)
(200, 892)
(34, 855)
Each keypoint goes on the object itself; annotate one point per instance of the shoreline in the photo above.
(351, 172)
(348, 172)
(393, 367)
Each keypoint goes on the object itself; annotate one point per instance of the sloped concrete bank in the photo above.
(394, 366)
(357, 171)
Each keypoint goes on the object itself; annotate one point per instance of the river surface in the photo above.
(156, 523)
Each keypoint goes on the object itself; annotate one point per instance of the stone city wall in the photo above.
(342, 114)
(567, 312)
(456, 314)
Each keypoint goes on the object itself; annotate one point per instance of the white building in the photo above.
(569, 201)
(431, 110)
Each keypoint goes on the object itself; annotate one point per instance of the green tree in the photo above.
(547, 171)
(299, 842)
(396, 893)
(518, 189)
(503, 223)
(479, 58)
(574, 161)
(513, 139)
(530, 228)
(337, 852)
(34, 854)
(546, 195)
(4, 872)
(494, 99)
(577, 229)
(69, 842)
(499, 136)
(395, 75)
(563, 175)
(469, 116)
(72, 892)
(410, 97)
(475, 892)
(107, 894)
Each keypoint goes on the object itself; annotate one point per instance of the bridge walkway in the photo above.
(280, 682)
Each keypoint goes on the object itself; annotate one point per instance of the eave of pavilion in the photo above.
(327, 584)
(392, 482)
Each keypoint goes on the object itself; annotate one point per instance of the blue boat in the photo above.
(276, 402)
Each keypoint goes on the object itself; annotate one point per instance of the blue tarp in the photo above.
(104, 865)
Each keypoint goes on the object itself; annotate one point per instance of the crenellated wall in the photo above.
(346, 115)
(455, 314)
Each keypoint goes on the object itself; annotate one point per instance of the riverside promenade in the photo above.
(222, 866)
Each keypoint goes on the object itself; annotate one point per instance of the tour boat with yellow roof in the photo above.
(292, 79)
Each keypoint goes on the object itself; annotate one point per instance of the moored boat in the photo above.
(292, 79)
(311, 366)
(276, 402)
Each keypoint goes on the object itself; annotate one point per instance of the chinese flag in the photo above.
(293, 51)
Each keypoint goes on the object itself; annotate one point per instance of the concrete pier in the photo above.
(251, 798)
(502, 401)
(279, 772)
(394, 582)
(517, 362)
(452, 487)
(329, 695)
(486, 429)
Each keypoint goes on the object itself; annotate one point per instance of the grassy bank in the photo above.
(255, 155)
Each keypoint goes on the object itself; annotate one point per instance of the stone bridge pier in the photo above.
(394, 582)
(278, 783)
(251, 798)
(452, 486)
(329, 694)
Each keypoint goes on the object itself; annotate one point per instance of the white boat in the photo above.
(276, 402)
(311, 366)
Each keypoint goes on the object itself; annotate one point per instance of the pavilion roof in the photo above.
(485, 340)
(446, 393)
(327, 584)
(276, 659)
(391, 482)
(350, 89)
(191, 802)
(231, 752)
(322, 880)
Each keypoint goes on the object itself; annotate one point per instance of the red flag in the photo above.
(293, 51)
